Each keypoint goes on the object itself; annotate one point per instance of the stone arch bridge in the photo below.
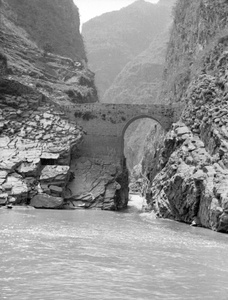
(105, 124)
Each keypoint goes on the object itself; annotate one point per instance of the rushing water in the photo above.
(85, 254)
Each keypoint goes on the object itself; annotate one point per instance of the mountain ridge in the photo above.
(115, 38)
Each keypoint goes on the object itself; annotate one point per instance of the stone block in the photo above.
(56, 190)
(46, 201)
(18, 185)
(3, 198)
(182, 130)
(57, 174)
(69, 204)
(28, 169)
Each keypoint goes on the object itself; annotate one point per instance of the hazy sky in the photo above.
(90, 8)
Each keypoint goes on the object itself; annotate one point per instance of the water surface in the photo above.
(86, 254)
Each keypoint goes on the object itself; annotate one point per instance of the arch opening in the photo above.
(138, 118)
(140, 138)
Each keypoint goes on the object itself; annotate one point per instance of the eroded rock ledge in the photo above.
(40, 163)
(39, 158)
(36, 143)
(192, 180)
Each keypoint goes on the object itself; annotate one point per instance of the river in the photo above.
(91, 255)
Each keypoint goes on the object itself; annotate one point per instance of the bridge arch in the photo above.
(105, 125)
(129, 122)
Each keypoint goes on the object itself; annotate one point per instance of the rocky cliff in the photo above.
(38, 142)
(190, 183)
(52, 25)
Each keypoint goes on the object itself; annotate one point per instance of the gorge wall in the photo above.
(53, 25)
(39, 154)
(190, 182)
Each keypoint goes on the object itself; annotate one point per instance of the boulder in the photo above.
(46, 201)
(19, 187)
(3, 198)
(28, 169)
(54, 174)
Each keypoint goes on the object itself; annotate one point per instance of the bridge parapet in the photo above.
(123, 113)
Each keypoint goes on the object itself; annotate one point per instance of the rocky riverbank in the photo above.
(190, 184)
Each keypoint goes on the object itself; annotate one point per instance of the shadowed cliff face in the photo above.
(192, 166)
(53, 25)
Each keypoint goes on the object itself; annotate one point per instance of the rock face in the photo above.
(35, 147)
(97, 184)
(192, 167)
(40, 164)
(37, 140)
(140, 79)
(46, 201)
(196, 24)
(53, 25)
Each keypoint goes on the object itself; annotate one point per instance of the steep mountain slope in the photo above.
(140, 80)
(37, 139)
(191, 182)
(115, 38)
(194, 29)
(55, 76)
(47, 24)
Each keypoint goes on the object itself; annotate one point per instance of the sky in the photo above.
(89, 9)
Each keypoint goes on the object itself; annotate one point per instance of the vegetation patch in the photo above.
(75, 96)
(112, 121)
(84, 115)
(88, 116)
(78, 114)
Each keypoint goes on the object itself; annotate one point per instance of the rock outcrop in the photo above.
(37, 140)
(52, 25)
(192, 165)
(97, 184)
(40, 163)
